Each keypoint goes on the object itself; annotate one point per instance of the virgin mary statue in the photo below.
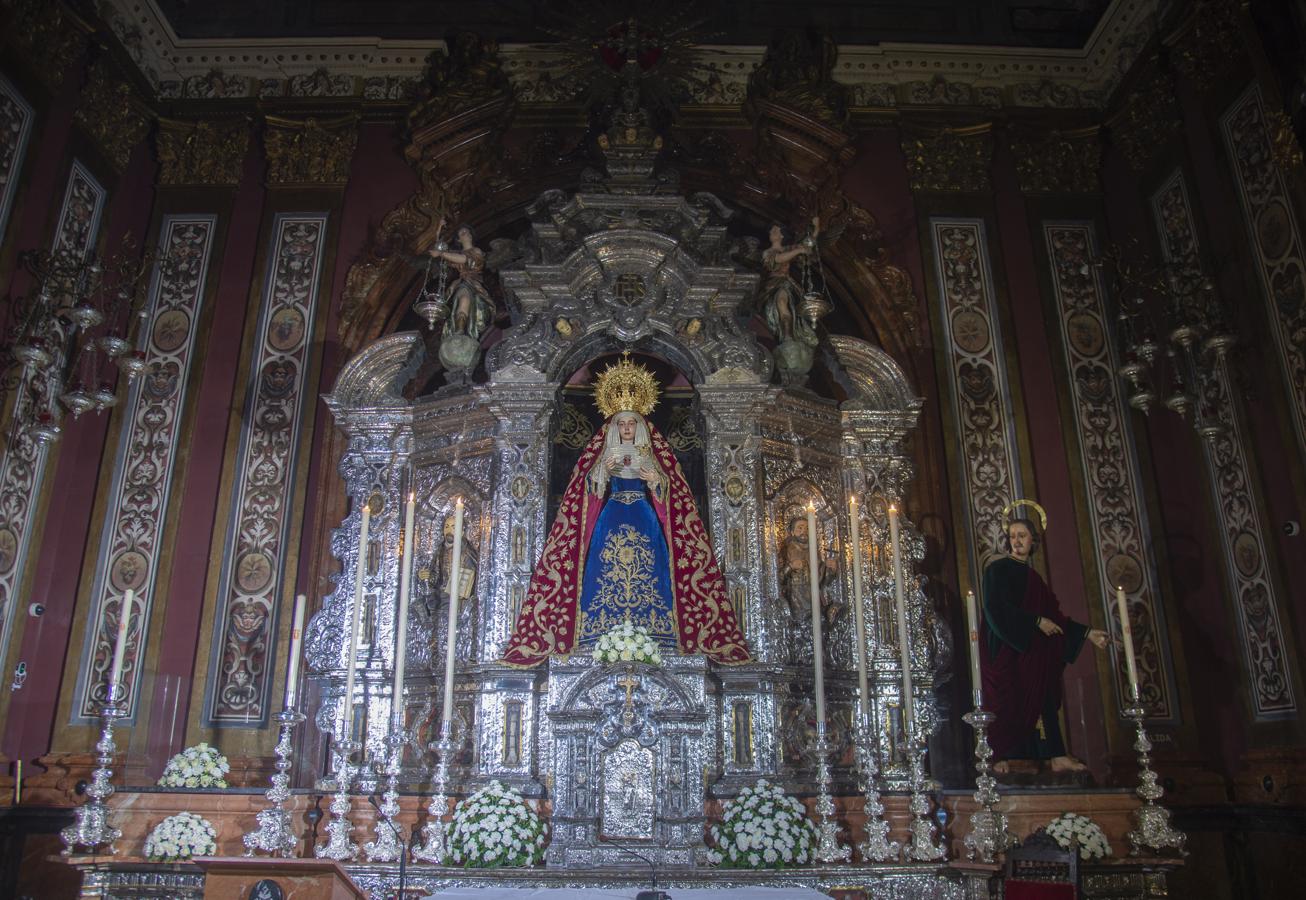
(627, 545)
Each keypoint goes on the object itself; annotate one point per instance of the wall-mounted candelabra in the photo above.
(80, 316)
(1170, 317)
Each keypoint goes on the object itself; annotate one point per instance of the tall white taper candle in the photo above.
(859, 610)
(120, 644)
(401, 626)
(972, 625)
(1127, 636)
(904, 632)
(292, 660)
(455, 577)
(351, 661)
(814, 581)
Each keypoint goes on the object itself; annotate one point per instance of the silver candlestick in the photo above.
(876, 847)
(339, 846)
(828, 848)
(388, 847)
(923, 846)
(91, 828)
(1153, 833)
(274, 833)
(435, 842)
(989, 836)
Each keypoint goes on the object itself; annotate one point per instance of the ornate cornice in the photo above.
(201, 153)
(1062, 162)
(310, 152)
(112, 114)
(1148, 118)
(48, 35)
(949, 160)
(888, 74)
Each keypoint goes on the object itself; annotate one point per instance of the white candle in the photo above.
(972, 623)
(401, 627)
(120, 645)
(296, 640)
(1127, 635)
(859, 609)
(351, 661)
(814, 581)
(455, 576)
(904, 633)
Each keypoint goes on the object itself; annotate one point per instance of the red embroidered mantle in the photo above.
(704, 616)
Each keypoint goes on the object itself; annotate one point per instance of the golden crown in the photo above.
(625, 386)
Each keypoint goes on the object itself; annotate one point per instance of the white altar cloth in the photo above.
(735, 893)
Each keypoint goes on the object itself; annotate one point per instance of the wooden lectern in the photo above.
(231, 877)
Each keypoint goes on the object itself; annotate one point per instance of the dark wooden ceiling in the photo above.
(1015, 23)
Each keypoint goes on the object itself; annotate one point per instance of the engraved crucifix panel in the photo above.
(628, 777)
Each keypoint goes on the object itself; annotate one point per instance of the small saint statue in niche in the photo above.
(796, 582)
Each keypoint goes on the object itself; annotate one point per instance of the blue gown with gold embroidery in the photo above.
(627, 568)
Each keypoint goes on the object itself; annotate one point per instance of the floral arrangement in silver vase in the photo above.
(180, 837)
(494, 827)
(1070, 828)
(628, 643)
(763, 828)
(200, 766)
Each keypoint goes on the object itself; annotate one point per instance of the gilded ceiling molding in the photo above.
(50, 37)
(310, 152)
(877, 76)
(1208, 45)
(1147, 120)
(949, 160)
(112, 114)
(201, 153)
(1062, 162)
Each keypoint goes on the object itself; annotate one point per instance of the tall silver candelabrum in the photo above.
(989, 836)
(92, 828)
(876, 847)
(339, 845)
(388, 846)
(924, 845)
(274, 833)
(435, 842)
(828, 848)
(1153, 832)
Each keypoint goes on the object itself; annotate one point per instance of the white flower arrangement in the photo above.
(494, 827)
(628, 643)
(763, 828)
(180, 837)
(1069, 827)
(200, 766)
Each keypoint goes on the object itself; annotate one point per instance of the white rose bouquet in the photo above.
(1069, 827)
(628, 643)
(494, 827)
(200, 766)
(180, 837)
(763, 828)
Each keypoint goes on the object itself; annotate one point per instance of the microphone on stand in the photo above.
(406, 844)
(652, 893)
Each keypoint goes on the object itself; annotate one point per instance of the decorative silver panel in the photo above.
(1241, 519)
(131, 544)
(22, 467)
(1109, 463)
(15, 129)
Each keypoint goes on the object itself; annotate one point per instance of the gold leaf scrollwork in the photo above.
(573, 429)
(112, 114)
(51, 37)
(1208, 44)
(1283, 140)
(310, 151)
(1148, 118)
(1062, 162)
(201, 153)
(950, 160)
